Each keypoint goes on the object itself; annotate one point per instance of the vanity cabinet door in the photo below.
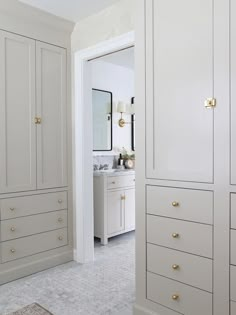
(51, 108)
(130, 209)
(17, 112)
(115, 212)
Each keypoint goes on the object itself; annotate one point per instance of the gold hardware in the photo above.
(60, 201)
(175, 297)
(60, 238)
(13, 228)
(175, 235)
(210, 103)
(60, 220)
(175, 267)
(175, 204)
(13, 250)
(37, 120)
(122, 197)
(12, 209)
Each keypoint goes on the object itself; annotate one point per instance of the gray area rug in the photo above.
(33, 309)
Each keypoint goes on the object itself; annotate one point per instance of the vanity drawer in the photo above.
(177, 296)
(121, 181)
(233, 283)
(188, 237)
(31, 245)
(20, 227)
(233, 211)
(29, 205)
(232, 308)
(233, 247)
(186, 268)
(185, 204)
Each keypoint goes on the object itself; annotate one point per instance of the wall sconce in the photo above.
(122, 108)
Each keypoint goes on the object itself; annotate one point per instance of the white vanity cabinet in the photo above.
(114, 204)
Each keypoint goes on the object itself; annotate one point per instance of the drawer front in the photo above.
(20, 227)
(189, 269)
(233, 283)
(233, 211)
(31, 245)
(186, 204)
(232, 308)
(29, 205)
(188, 237)
(177, 296)
(233, 247)
(114, 182)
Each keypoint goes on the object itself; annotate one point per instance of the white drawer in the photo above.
(190, 237)
(189, 269)
(114, 182)
(232, 308)
(31, 245)
(233, 283)
(29, 205)
(20, 227)
(233, 211)
(189, 301)
(233, 247)
(185, 204)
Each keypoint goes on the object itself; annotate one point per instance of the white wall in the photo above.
(120, 81)
(112, 22)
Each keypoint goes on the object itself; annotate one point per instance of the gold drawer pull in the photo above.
(60, 238)
(13, 228)
(175, 235)
(175, 267)
(175, 203)
(59, 200)
(175, 297)
(13, 250)
(60, 220)
(12, 209)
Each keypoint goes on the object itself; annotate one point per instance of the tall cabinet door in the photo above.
(180, 69)
(130, 209)
(115, 212)
(17, 112)
(51, 109)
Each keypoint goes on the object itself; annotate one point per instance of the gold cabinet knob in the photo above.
(13, 228)
(210, 103)
(175, 267)
(175, 297)
(13, 250)
(37, 120)
(60, 220)
(60, 238)
(122, 197)
(12, 209)
(60, 201)
(175, 235)
(175, 203)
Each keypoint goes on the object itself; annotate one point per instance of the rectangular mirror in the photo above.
(102, 120)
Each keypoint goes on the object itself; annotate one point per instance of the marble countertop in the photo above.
(114, 172)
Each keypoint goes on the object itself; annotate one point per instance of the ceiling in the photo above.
(73, 10)
(124, 58)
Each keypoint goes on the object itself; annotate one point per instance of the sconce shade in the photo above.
(121, 107)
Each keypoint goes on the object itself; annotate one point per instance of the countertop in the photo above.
(114, 172)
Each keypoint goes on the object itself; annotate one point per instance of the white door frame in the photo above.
(83, 144)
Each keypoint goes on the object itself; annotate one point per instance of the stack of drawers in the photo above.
(32, 224)
(233, 255)
(179, 249)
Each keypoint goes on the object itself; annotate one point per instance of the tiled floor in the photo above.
(105, 287)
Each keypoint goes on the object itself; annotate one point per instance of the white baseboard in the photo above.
(139, 310)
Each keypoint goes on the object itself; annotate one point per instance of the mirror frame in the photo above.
(108, 92)
(132, 127)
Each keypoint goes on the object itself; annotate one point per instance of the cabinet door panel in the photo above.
(179, 127)
(115, 212)
(17, 111)
(51, 107)
(130, 209)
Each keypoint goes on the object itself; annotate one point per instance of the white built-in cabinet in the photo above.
(186, 157)
(114, 204)
(35, 197)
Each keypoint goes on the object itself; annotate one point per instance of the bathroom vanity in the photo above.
(114, 203)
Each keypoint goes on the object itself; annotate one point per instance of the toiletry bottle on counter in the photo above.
(120, 162)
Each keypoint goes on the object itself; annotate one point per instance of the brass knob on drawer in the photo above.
(175, 267)
(175, 235)
(59, 200)
(60, 220)
(175, 297)
(12, 209)
(13, 228)
(60, 238)
(122, 197)
(175, 203)
(13, 250)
